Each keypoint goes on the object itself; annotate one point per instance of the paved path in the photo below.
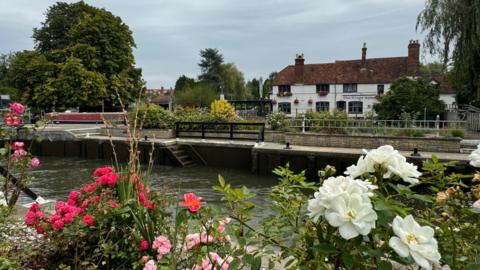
(349, 152)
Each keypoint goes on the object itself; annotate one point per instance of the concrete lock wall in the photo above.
(151, 133)
(448, 145)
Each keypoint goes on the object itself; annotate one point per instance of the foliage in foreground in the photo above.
(372, 218)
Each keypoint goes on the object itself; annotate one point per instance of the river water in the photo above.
(58, 176)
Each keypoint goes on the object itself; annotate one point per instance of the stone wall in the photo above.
(434, 144)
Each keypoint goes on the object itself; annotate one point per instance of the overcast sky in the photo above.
(259, 36)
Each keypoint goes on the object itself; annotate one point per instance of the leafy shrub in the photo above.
(277, 121)
(152, 116)
(457, 133)
(319, 121)
(221, 110)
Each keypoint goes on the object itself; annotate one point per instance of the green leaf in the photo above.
(473, 266)
(325, 248)
(221, 181)
(384, 265)
(474, 210)
(234, 264)
(347, 259)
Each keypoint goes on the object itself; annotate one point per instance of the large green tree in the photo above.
(184, 82)
(211, 62)
(409, 96)
(453, 31)
(233, 82)
(197, 95)
(83, 57)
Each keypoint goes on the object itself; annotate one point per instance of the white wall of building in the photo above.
(366, 93)
(449, 100)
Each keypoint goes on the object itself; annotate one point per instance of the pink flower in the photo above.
(162, 245)
(102, 171)
(88, 220)
(109, 179)
(18, 154)
(143, 199)
(30, 218)
(145, 258)
(192, 202)
(193, 240)
(88, 188)
(113, 204)
(73, 198)
(150, 265)
(476, 204)
(143, 245)
(58, 224)
(18, 145)
(12, 120)
(35, 163)
(35, 207)
(17, 108)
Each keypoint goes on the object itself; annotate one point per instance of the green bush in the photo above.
(457, 133)
(152, 116)
(277, 121)
(318, 121)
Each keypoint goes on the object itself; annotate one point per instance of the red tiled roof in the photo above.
(378, 70)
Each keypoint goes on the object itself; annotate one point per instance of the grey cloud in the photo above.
(258, 36)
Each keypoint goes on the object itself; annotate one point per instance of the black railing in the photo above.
(218, 130)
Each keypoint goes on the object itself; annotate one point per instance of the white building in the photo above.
(351, 85)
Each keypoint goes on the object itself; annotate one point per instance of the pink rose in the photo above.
(18, 145)
(17, 108)
(150, 265)
(162, 245)
(35, 163)
(18, 155)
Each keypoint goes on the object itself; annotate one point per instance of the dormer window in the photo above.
(284, 90)
(323, 88)
(350, 88)
(380, 89)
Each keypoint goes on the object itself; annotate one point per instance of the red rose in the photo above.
(102, 171)
(144, 245)
(192, 202)
(88, 220)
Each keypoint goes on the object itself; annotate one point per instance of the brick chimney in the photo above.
(299, 67)
(364, 55)
(413, 62)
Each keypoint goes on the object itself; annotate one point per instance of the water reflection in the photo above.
(58, 176)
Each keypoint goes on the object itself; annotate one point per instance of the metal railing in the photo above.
(425, 125)
(217, 130)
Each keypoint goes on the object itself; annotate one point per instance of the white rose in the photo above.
(334, 187)
(352, 215)
(475, 157)
(414, 240)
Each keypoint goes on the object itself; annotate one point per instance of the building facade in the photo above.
(352, 85)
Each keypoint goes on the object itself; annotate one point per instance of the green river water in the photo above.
(56, 177)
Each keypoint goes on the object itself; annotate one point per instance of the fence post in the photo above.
(177, 129)
(231, 131)
(262, 133)
(303, 124)
(203, 130)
